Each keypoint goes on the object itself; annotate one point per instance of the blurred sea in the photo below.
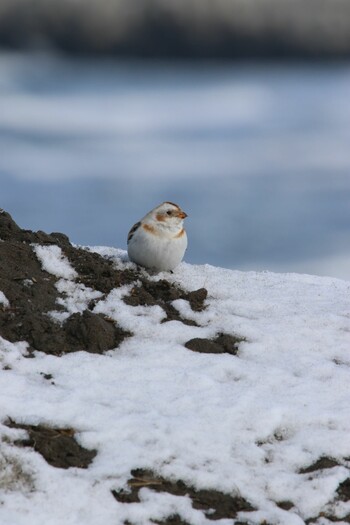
(257, 154)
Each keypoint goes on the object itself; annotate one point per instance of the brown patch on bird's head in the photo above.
(161, 217)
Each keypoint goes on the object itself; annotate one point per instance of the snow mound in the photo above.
(252, 426)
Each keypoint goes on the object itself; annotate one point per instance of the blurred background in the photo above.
(237, 110)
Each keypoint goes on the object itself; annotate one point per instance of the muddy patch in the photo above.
(222, 344)
(174, 519)
(214, 504)
(163, 293)
(32, 293)
(285, 504)
(58, 446)
(92, 332)
(86, 331)
(343, 490)
(95, 271)
(322, 463)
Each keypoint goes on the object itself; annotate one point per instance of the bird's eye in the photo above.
(168, 212)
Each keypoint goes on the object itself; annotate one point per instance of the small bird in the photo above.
(159, 241)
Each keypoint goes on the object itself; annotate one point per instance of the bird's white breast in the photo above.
(159, 252)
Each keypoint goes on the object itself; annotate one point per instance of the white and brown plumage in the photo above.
(159, 240)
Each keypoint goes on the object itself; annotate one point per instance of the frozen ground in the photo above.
(246, 423)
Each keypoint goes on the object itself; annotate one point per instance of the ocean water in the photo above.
(258, 155)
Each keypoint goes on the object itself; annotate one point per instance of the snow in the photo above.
(54, 262)
(243, 424)
(76, 296)
(3, 300)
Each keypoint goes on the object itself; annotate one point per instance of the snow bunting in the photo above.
(159, 240)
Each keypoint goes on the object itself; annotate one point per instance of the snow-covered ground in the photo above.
(243, 424)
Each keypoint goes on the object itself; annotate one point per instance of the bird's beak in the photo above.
(182, 215)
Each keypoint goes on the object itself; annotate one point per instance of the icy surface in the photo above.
(243, 424)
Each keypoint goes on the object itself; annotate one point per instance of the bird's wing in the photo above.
(133, 230)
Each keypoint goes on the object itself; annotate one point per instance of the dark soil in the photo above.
(344, 490)
(162, 293)
(96, 271)
(223, 343)
(285, 505)
(33, 294)
(92, 332)
(320, 464)
(332, 519)
(58, 446)
(174, 519)
(213, 503)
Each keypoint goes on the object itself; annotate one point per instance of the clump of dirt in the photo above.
(58, 446)
(97, 272)
(86, 331)
(344, 490)
(222, 344)
(28, 319)
(197, 299)
(285, 504)
(162, 293)
(92, 332)
(329, 515)
(213, 503)
(329, 518)
(93, 269)
(322, 463)
(174, 519)
(32, 293)
(10, 231)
